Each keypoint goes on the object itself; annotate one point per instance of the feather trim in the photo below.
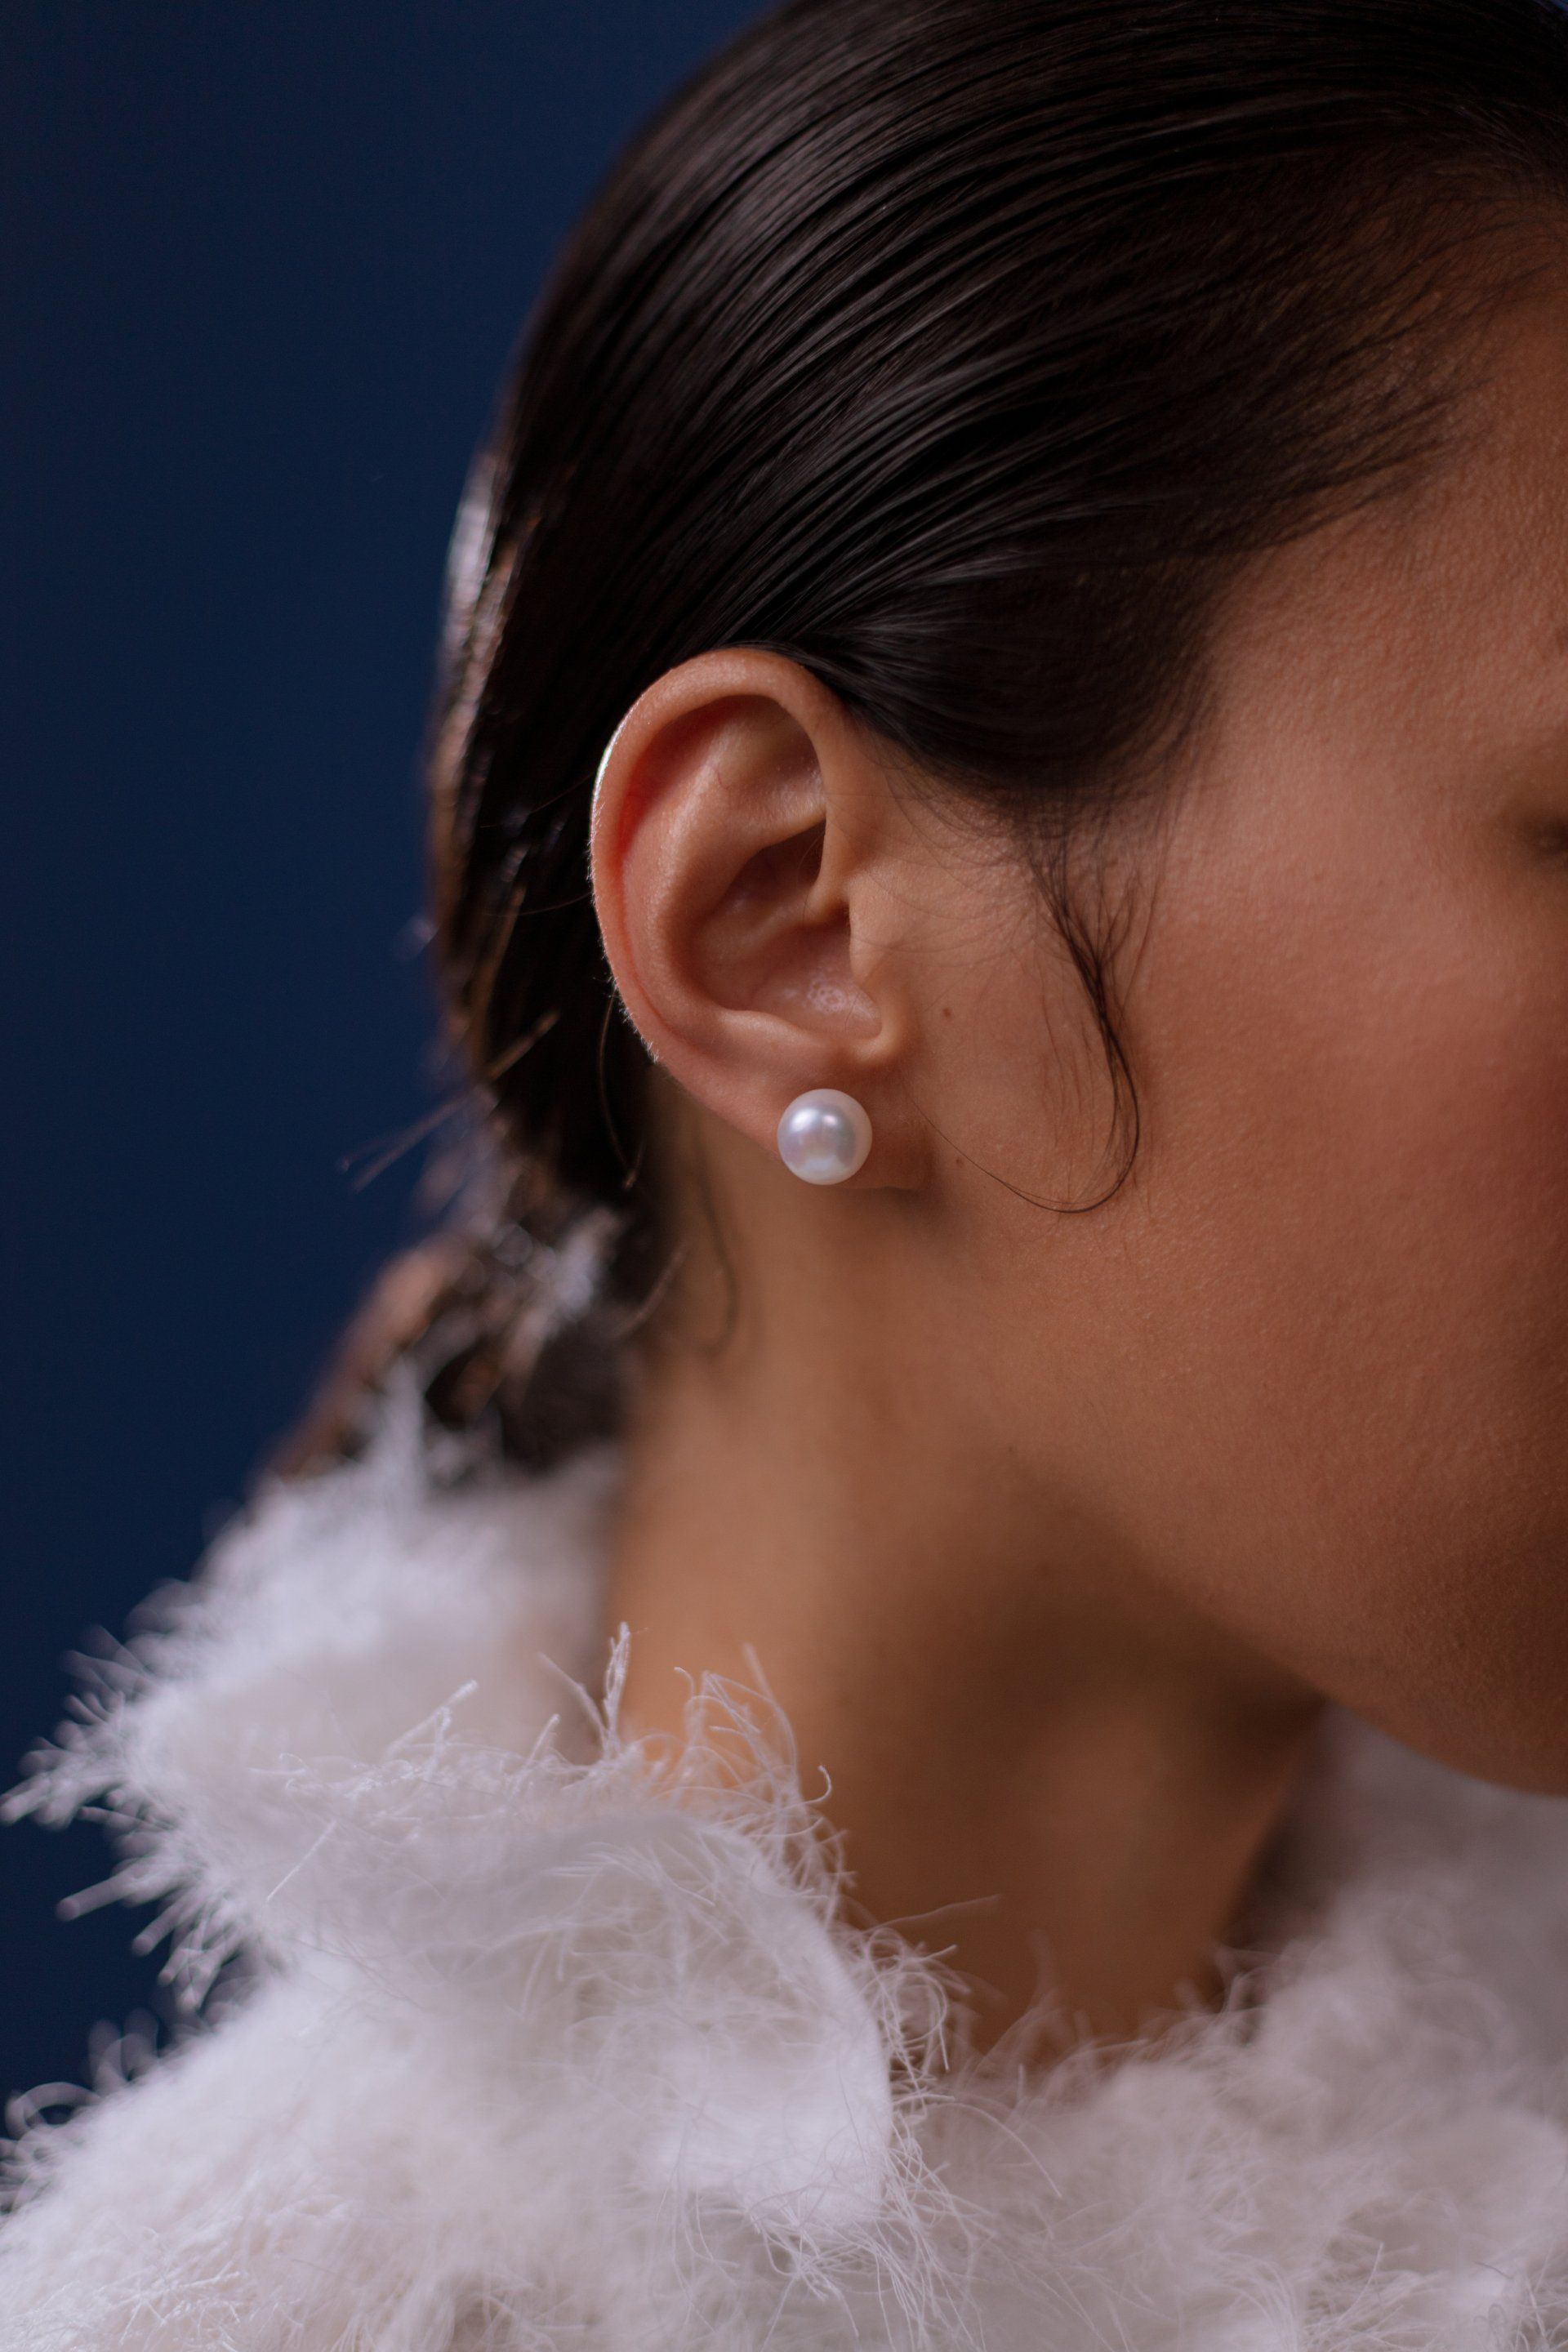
(555, 2038)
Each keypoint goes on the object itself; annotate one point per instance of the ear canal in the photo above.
(823, 1135)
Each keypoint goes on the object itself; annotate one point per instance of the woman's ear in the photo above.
(744, 834)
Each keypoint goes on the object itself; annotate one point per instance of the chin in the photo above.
(1515, 1751)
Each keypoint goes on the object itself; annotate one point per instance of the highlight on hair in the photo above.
(963, 352)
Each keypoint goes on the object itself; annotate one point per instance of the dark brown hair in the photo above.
(962, 352)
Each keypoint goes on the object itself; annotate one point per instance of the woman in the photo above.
(968, 1751)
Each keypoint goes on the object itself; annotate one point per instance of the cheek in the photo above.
(1348, 1295)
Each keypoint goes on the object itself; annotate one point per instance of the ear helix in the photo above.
(823, 1135)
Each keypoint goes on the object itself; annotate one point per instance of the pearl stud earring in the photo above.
(823, 1135)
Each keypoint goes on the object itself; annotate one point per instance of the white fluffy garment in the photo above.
(542, 2042)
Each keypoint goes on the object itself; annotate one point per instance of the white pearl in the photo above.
(823, 1135)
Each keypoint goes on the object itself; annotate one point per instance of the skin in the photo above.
(1049, 1534)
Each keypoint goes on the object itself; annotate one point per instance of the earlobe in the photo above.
(737, 853)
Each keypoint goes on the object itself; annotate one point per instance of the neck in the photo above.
(1039, 1768)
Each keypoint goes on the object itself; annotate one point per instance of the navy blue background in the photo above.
(267, 260)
